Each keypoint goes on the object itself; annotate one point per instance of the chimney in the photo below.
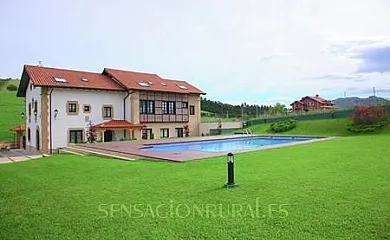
(40, 64)
(317, 95)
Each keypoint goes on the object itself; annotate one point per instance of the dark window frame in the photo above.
(72, 107)
(164, 132)
(168, 107)
(147, 106)
(179, 132)
(192, 110)
(87, 106)
(105, 108)
(75, 131)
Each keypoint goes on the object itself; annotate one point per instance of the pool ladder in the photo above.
(248, 132)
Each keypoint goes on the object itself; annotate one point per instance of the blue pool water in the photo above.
(222, 145)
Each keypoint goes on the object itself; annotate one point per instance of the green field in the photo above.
(336, 189)
(11, 108)
(322, 127)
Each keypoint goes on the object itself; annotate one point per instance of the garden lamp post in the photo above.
(230, 164)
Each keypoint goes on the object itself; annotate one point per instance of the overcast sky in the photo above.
(235, 50)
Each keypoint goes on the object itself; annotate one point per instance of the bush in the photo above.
(368, 119)
(368, 115)
(12, 87)
(283, 126)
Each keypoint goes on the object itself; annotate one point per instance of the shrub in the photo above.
(283, 126)
(368, 119)
(366, 115)
(12, 87)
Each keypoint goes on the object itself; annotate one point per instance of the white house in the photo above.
(67, 106)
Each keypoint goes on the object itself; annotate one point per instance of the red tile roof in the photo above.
(118, 124)
(110, 79)
(44, 76)
(131, 80)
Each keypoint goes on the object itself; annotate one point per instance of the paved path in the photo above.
(17, 155)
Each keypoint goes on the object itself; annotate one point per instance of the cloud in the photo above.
(373, 55)
(375, 59)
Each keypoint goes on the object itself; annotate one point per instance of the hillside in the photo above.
(10, 108)
(352, 101)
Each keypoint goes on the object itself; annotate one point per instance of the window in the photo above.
(182, 87)
(60, 79)
(150, 109)
(147, 133)
(168, 107)
(184, 104)
(28, 134)
(192, 110)
(143, 84)
(107, 112)
(72, 108)
(29, 112)
(171, 108)
(35, 109)
(146, 107)
(164, 107)
(87, 108)
(85, 80)
(76, 136)
(179, 132)
(164, 133)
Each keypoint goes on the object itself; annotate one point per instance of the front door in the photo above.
(147, 133)
(108, 136)
(76, 136)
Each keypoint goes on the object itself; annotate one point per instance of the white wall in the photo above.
(33, 94)
(63, 122)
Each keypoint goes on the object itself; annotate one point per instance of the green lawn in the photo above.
(336, 189)
(10, 109)
(323, 127)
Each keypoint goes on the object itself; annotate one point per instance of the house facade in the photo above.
(310, 103)
(67, 106)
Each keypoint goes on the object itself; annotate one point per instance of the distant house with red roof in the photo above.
(310, 103)
(68, 106)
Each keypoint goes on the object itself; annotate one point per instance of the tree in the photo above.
(278, 108)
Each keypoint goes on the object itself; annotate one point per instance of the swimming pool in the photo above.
(222, 145)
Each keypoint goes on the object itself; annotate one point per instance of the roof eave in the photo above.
(23, 83)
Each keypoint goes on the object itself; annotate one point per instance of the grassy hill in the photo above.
(10, 108)
(323, 127)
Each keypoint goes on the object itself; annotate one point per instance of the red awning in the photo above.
(20, 128)
(118, 124)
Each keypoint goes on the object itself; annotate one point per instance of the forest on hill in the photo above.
(210, 108)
